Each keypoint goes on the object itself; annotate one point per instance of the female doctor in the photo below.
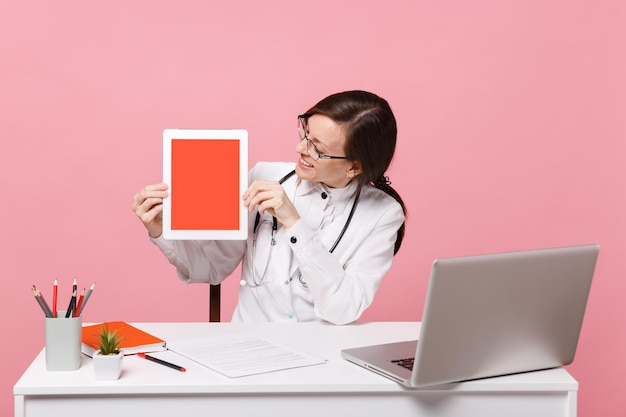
(323, 230)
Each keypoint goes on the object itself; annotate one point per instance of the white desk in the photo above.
(336, 388)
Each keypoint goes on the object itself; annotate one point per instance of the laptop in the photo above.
(492, 315)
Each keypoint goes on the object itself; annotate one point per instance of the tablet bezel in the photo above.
(169, 136)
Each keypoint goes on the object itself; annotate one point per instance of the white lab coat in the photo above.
(339, 286)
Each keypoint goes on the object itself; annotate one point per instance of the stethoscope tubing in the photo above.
(257, 221)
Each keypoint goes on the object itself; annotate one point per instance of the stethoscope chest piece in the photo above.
(300, 280)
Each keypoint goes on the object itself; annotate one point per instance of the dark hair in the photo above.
(370, 130)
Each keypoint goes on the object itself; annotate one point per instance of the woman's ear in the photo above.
(354, 170)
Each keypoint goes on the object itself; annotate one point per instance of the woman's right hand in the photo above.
(148, 206)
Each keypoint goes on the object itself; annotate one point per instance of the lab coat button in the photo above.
(324, 195)
(290, 316)
(293, 239)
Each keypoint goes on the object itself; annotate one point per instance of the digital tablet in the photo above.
(207, 173)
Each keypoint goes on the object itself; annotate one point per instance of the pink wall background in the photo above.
(511, 136)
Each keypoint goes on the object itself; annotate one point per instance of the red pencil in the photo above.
(55, 293)
(79, 304)
(162, 362)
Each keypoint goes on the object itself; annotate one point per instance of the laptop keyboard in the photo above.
(405, 363)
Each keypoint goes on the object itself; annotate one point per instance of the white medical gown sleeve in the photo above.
(343, 284)
(204, 261)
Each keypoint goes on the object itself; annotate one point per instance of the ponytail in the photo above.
(384, 184)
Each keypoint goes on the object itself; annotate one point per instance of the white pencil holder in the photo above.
(63, 342)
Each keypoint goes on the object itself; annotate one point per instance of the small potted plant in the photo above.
(107, 361)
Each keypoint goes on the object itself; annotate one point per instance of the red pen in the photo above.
(162, 362)
(55, 294)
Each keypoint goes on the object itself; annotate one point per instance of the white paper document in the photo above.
(240, 354)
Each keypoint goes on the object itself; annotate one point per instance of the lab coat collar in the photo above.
(338, 196)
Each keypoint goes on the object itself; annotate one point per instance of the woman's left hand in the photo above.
(270, 196)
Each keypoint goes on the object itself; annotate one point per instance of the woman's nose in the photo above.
(301, 147)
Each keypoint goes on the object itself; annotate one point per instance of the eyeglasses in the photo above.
(310, 146)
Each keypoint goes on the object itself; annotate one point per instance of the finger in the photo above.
(259, 186)
(250, 194)
(151, 219)
(149, 216)
(147, 205)
(154, 190)
(262, 199)
(266, 206)
(252, 188)
(151, 202)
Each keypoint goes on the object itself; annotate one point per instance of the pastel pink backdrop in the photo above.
(511, 136)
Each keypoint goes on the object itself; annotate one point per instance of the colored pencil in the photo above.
(71, 306)
(79, 304)
(82, 307)
(41, 302)
(162, 362)
(55, 295)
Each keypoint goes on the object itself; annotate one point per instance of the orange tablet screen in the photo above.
(205, 184)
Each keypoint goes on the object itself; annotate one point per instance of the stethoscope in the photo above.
(257, 221)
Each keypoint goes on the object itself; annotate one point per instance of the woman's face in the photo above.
(329, 139)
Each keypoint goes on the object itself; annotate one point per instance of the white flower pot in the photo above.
(107, 367)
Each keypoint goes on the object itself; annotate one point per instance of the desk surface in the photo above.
(143, 378)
